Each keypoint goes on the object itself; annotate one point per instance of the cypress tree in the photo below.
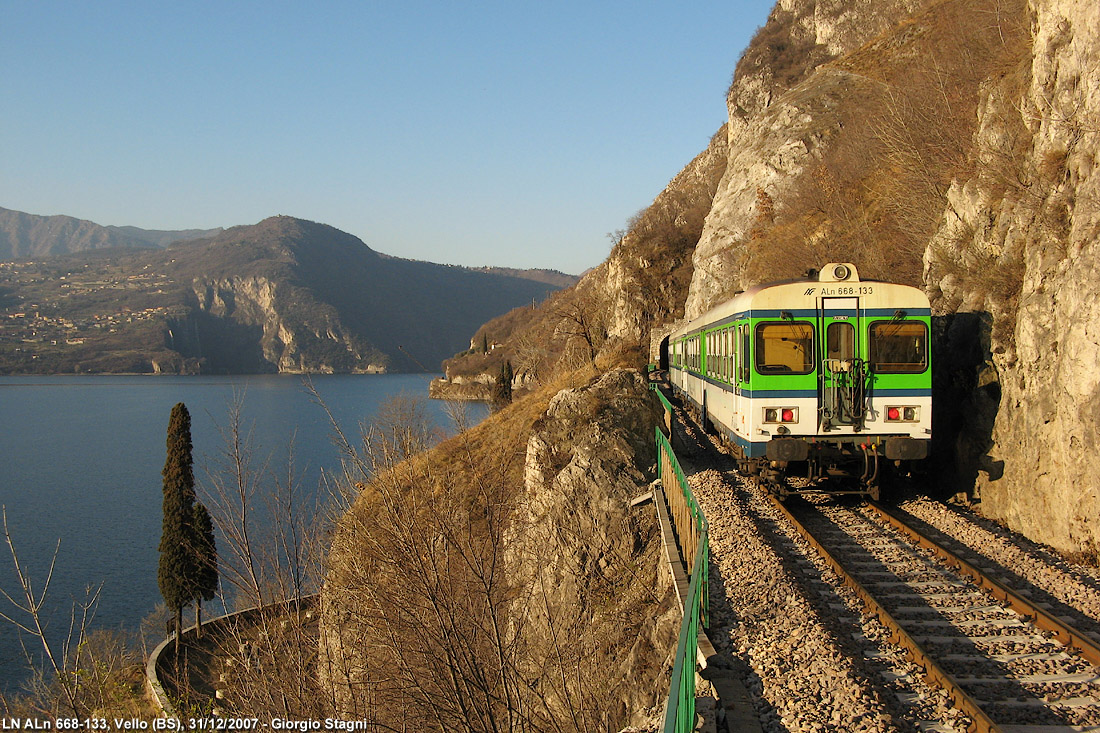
(502, 394)
(177, 568)
(206, 561)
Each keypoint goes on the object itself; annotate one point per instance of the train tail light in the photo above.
(780, 414)
(902, 413)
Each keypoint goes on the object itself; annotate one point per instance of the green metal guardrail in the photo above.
(655, 387)
(691, 531)
(661, 396)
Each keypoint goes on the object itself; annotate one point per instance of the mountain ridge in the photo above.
(24, 235)
(283, 295)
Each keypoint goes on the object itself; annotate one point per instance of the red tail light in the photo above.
(903, 413)
(780, 414)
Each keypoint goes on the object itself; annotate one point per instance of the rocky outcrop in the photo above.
(551, 589)
(475, 388)
(782, 116)
(318, 344)
(593, 559)
(1018, 250)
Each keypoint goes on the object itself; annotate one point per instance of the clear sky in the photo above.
(508, 133)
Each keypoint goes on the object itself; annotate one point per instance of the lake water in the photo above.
(80, 462)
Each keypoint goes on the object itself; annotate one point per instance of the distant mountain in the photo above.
(25, 235)
(550, 277)
(161, 238)
(283, 295)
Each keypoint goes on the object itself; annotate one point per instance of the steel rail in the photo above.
(1065, 633)
(934, 674)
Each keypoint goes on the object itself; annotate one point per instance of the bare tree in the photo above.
(87, 672)
(583, 320)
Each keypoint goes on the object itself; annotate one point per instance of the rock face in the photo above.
(773, 135)
(579, 604)
(576, 538)
(1031, 217)
(318, 344)
(1010, 252)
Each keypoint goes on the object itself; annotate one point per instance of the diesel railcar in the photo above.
(828, 377)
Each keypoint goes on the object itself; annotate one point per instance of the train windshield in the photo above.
(785, 348)
(898, 347)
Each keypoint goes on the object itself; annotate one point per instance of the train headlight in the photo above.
(902, 413)
(780, 414)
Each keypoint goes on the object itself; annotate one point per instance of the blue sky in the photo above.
(512, 133)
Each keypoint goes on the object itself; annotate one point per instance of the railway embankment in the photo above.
(814, 659)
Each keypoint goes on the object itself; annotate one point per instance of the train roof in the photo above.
(804, 292)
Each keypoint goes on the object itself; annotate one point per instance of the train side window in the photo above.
(718, 354)
(898, 347)
(725, 355)
(712, 354)
(712, 362)
(785, 348)
(745, 355)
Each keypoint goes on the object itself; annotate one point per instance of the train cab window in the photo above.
(898, 347)
(785, 348)
(840, 341)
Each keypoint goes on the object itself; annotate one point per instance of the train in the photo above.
(826, 378)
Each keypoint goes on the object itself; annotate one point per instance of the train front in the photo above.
(863, 402)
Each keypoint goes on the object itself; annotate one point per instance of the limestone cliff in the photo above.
(1018, 248)
(951, 145)
(784, 110)
(595, 561)
(294, 343)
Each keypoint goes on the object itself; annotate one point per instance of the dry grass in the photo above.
(420, 632)
(432, 618)
(904, 132)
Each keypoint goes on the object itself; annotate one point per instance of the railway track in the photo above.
(1005, 662)
(816, 662)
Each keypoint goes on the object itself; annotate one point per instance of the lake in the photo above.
(80, 462)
